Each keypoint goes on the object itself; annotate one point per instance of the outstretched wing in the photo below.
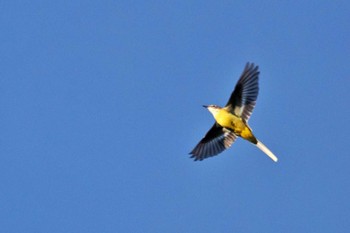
(214, 142)
(243, 98)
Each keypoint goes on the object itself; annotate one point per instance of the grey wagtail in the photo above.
(231, 121)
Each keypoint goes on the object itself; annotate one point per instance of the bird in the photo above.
(231, 121)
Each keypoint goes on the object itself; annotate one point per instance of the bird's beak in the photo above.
(205, 106)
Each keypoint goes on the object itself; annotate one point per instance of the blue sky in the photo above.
(101, 104)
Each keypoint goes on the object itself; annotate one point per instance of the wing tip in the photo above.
(194, 157)
(251, 65)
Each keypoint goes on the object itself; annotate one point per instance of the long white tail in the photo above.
(266, 151)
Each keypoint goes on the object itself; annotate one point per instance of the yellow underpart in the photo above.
(228, 120)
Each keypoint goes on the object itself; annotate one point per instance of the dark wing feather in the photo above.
(243, 98)
(214, 142)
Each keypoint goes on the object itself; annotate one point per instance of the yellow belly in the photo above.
(234, 123)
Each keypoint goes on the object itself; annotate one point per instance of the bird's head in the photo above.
(213, 109)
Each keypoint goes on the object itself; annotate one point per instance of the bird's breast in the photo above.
(236, 124)
(230, 121)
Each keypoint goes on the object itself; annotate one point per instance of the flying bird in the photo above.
(231, 121)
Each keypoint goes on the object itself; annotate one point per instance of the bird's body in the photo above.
(231, 121)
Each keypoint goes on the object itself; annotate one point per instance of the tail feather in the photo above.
(262, 147)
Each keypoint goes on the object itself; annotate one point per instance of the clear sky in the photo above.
(101, 102)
